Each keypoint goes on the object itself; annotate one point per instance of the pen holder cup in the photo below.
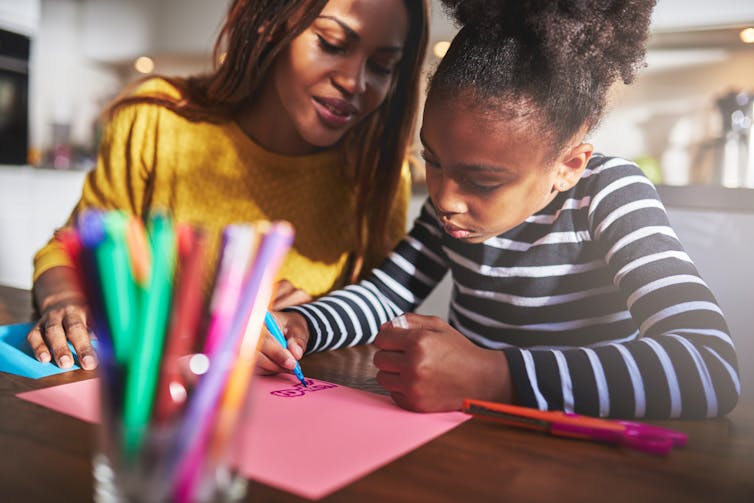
(149, 472)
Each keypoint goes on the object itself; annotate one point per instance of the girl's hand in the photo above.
(431, 367)
(272, 358)
(287, 295)
(63, 318)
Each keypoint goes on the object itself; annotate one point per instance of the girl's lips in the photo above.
(335, 113)
(456, 232)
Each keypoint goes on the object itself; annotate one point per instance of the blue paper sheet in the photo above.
(16, 356)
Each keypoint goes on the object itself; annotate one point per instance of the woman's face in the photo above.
(485, 174)
(335, 73)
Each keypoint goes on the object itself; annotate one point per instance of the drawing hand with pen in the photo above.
(428, 366)
(425, 364)
(274, 357)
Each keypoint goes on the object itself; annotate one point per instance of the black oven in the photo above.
(14, 98)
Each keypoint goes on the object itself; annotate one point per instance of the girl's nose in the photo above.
(447, 198)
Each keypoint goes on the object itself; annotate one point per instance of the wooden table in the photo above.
(46, 456)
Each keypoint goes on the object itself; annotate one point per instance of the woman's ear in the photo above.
(571, 166)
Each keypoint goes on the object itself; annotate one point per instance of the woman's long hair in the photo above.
(254, 33)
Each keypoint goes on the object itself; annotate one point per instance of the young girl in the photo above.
(306, 119)
(570, 289)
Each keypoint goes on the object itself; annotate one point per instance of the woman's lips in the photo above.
(334, 112)
(456, 232)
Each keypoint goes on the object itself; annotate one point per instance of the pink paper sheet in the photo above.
(310, 442)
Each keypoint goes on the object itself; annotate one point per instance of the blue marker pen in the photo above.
(274, 329)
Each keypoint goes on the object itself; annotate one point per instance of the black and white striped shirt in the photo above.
(596, 305)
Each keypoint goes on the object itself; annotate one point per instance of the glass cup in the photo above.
(149, 475)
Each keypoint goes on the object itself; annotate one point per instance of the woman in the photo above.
(306, 118)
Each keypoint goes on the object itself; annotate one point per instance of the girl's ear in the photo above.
(571, 166)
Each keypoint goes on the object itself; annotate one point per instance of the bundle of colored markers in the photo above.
(165, 430)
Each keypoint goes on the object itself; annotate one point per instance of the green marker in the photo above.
(118, 285)
(144, 367)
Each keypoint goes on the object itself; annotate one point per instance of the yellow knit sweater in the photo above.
(214, 175)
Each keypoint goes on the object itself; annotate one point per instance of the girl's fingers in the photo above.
(390, 338)
(389, 361)
(275, 352)
(402, 401)
(295, 348)
(390, 381)
(265, 366)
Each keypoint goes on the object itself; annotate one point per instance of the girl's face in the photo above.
(334, 74)
(487, 175)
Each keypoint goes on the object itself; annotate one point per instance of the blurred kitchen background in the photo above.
(687, 120)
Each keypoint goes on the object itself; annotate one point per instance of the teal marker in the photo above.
(144, 367)
(118, 285)
(274, 329)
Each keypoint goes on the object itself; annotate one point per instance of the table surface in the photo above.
(46, 456)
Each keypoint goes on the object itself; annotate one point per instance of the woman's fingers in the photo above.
(76, 331)
(50, 336)
(38, 345)
(54, 336)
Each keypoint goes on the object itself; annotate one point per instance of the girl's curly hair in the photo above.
(550, 60)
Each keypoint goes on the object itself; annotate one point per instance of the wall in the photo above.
(83, 50)
(681, 14)
(720, 245)
(669, 112)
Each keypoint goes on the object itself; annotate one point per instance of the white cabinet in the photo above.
(19, 16)
(33, 203)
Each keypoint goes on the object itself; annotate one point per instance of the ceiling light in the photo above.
(144, 64)
(441, 48)
(747, 35)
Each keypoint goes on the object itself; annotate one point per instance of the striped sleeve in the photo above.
(354, 314)
(682, 364)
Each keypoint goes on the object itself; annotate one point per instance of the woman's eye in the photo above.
(328, 47)
(431, 163)
(380, 69)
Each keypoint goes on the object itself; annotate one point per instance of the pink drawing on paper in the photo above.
(301, 390)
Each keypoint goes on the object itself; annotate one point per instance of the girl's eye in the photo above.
(480, 188)
(328, 47)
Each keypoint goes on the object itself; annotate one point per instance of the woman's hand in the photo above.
(287, 295)
(431, 367)
(273, 358)
(63, 318)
